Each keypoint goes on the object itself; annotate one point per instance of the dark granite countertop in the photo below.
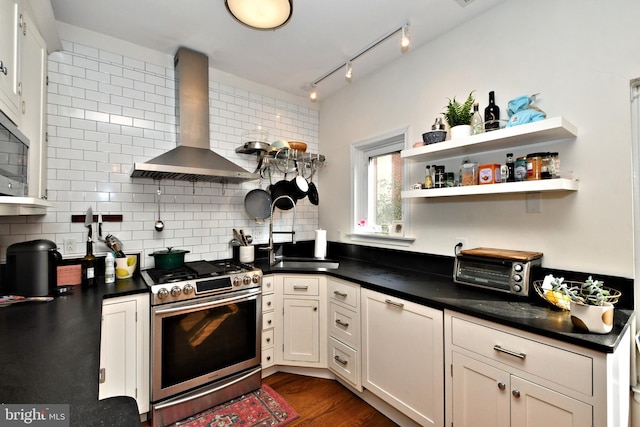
(50, 354)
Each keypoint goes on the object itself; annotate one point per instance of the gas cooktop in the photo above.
(200, 278)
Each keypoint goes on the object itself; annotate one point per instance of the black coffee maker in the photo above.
(32, 268)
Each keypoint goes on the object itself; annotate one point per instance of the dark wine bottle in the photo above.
(89, 267)
(491, 114)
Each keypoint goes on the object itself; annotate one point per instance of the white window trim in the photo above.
(359, 167)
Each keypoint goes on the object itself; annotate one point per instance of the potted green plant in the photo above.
(458, 115)
(590, 303)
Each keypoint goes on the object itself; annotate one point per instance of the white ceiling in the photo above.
(321, 35)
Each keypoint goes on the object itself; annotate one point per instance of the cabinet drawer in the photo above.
(268, 320)
(268, 302)
(344, 292)
(301, 285)
(343, 360)
(344, 324)
(267, 338)
(545, 361)
(267, 285)
(267, 357)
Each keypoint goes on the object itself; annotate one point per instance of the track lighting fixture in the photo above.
(313, 94)
(405, 41)
(260, 14)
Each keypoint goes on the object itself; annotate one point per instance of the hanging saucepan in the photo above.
(282, 188)
(169, 258)
(257, 203)
(299, 185)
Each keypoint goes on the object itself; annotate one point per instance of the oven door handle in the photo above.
(214, 303)
(204, 393)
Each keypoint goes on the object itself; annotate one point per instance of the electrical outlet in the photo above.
(462, 240)
(69, 246)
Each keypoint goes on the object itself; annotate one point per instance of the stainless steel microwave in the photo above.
(14, 159)
(500, 270)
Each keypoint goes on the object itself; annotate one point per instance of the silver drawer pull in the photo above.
(340, 294)
(393, 303)
(341, 323)
(340, 360)
(300, 287)
(509, 352)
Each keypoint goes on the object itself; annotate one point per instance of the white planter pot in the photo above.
(593, 318)
(460, 131)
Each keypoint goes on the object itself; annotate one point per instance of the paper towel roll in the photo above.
(320, 249)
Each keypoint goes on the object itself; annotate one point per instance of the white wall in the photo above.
(580, 56)
(112, 104)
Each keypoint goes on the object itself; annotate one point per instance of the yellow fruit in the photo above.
(121, 272)
(131, 261)
(557, 298)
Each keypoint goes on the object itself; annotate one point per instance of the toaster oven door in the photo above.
(487, 273)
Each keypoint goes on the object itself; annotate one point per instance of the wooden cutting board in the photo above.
(502, 253)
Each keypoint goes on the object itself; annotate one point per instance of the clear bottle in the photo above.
(428, 179)
(477, 125)
(511, 166)
(492, 114)
(109, 268)
(89, 267)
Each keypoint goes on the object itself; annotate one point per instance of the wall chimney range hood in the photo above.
(192, 159)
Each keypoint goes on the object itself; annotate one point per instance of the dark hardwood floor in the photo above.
(322, 402)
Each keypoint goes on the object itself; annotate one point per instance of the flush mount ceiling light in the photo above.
(405, 41)
(261, 14)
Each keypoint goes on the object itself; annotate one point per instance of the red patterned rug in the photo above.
(261, 408)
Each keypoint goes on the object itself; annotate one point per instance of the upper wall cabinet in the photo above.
(23, 96)
(553, 129)
(10, 13)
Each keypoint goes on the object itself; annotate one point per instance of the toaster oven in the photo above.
(500, 270)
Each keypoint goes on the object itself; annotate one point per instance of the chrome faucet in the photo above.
(270, 248)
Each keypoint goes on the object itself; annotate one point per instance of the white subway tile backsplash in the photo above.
(107, 110)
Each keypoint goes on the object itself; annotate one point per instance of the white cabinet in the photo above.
(10, 20)
(402, 355)
(303, 332)
(33, 81)
(268, 320)
(124, 349)
(344, 343)
(505, 377)
(552, 129)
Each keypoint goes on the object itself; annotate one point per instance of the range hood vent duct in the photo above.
(192, 159)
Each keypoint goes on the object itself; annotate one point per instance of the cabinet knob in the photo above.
(268, 358)
(516, 393)
(269, 321)
(502, 386)
(3, 69)
(269, 303)
(315, 308)
(268, 339)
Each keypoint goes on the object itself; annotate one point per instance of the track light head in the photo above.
(348, 71)
(405, 38)
(313, 93)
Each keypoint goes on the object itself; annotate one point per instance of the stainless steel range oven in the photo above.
(205, 336)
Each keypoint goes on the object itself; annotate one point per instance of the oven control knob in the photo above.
(517, 268)
(255, 278)
(236, 281)
(246, 280)
(517, 278)
(163, 293)
(517, 288)
(188, 289)
(175, 291)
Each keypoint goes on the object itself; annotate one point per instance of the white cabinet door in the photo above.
(118, 367)
(10, 59)
(34, 102)
(124, 349)
(481, 394)
(536, 406)
(403, 356)
(301, 330)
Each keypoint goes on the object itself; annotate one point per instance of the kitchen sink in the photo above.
(301, 263)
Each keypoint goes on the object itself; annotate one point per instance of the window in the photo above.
(377, 185)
